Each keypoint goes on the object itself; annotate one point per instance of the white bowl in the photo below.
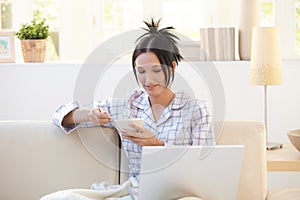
(294, 137)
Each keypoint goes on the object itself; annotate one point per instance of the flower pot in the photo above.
(34, 50)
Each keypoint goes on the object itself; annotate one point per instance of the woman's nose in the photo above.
(149, 78)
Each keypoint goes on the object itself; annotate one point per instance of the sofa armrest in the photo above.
(37, 158)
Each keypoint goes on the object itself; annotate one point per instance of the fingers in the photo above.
(144, 141)
(137, 127)
(141, 136)
(138, 140)
(98, 116)
(140, 132)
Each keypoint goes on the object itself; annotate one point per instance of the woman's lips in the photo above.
(150, 87)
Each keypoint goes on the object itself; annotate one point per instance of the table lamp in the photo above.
(266, 65)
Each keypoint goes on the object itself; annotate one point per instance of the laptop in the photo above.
(172, 172)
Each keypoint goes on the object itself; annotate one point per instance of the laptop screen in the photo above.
(207, 172)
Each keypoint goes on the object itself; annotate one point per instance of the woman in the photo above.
(171, 118)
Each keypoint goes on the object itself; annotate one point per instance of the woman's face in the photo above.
(150, 73)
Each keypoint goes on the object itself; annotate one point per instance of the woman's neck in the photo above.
(159, 103)
(163, 99)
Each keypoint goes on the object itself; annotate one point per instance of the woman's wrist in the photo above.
(81, 115)
(161, 143)
(76, 116)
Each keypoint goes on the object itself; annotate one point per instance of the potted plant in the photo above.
(33, 38)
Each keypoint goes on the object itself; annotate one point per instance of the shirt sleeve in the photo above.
(202, 130)
(115, 107)
(61, 112)
(65, 109)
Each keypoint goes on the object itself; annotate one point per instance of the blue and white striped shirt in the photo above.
(184, 121)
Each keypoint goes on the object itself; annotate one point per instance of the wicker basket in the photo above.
(34, 50)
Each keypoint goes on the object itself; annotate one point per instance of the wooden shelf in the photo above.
(285, 159)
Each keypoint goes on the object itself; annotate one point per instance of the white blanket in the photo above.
(100, 191)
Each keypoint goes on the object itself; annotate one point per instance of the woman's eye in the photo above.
(141, 71)
(157, 70)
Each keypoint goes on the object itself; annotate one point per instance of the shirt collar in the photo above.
(139, 99)
(180, 100)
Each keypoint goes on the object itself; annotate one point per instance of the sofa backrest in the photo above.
(37, 158)
(253, 180)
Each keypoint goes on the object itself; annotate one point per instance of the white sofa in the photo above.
(37, 158)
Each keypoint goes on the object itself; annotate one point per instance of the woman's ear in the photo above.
(174, 65)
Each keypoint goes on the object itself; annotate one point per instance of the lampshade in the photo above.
(265, 57)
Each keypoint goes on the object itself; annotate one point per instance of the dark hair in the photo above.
(162, 43)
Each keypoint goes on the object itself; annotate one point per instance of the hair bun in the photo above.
(152, 26)
(153, 29)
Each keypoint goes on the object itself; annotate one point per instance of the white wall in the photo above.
(33, 91)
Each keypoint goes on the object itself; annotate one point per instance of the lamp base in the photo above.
(272, 145)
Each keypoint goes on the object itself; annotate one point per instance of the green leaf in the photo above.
(34, 30)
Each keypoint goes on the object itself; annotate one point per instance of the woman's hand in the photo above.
(142, 137)
(95, 115)
(98, 116)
